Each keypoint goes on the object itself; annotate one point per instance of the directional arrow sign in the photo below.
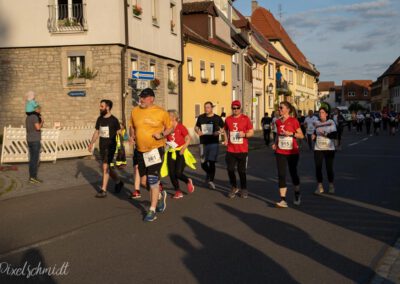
(142, 75)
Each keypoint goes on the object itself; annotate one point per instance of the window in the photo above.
(196, 110)
(173, 17)
(154, 12)
(247, 73)
(190, 66)
(303, 79)
(270, 98)
(153, 66)
(212, 71)
(351, 94)
(210, 26)
(234, 95)
(134, 62)
(202, 69)
(171, 73)
(223, 78)
(271, 71)
(366, 93)
(290, 77)
(75, 66)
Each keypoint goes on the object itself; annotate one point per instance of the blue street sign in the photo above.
(77, 94)
(142, 75)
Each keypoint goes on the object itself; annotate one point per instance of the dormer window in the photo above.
(210, 27)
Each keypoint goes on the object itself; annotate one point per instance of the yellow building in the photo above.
(206, 76)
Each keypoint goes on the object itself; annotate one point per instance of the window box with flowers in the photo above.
(154, 83)
(137, 10)
(191, 78)
(224, 83)
(81, 76)
(204, 80)
(214, 82)
(171, 86)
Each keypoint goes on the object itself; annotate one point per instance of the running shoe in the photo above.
(101, 194)
(35, 180)
(320, 189)
(118, 187)
(150, 216)
(162, 202)
(211, 185)
(233, 192)
(178, 194)
(244, 193)
(281, 204)
(331, 188)
(136, 194)
(190, 186)
(297, 200)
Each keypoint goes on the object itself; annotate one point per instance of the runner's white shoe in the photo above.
(320, 189)
(281, 204)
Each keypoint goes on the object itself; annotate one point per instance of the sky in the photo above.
(345, 39)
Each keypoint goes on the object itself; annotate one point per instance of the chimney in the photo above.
(254, 5)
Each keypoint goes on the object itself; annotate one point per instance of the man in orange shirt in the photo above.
(150, 124)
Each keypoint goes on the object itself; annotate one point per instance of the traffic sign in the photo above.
(142, 75)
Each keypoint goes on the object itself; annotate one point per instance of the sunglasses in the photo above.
(236, 108)
(280, 107)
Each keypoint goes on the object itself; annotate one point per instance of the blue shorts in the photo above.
(209, 152)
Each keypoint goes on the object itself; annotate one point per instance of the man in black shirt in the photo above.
(266, 125)
(107, 128)
(209, 126)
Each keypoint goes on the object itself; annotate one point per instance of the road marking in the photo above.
(358, 142)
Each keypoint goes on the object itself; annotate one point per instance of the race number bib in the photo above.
(104, 132)
(207, 129)
(310, 127)
(172, 144)
(234, 137)
(266, 126)
(285, 143)
(323, 143)
(152, 158)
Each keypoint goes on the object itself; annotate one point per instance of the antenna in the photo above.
(280, 14)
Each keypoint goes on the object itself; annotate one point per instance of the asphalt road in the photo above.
(207, 238)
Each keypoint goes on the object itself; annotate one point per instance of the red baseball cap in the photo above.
(236, 103)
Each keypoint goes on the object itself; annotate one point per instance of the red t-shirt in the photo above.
(234, 125)
(291, 124)
(179, 134)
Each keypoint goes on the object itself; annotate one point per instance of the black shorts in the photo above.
(135, 157)
(107, 152)
(153, 170)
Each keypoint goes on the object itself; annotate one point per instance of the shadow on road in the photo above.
(225, 259)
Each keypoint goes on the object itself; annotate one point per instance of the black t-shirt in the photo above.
(266, 120)
(208, 125)
(107, 128)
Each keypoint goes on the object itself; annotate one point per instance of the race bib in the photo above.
(152, 158)
(104, 132)
(310, 127)
(207, 129)
(172, 144)
(285, 143)
(266, 126)
(234, 137)
(323, 143)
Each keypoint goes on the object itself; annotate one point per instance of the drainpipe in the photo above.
(123, 61)
(180, 71)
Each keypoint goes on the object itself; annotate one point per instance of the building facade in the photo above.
(357, 91)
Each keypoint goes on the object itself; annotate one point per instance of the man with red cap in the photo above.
(238, 128)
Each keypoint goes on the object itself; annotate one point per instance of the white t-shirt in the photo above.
(309, 124)
(322, 142)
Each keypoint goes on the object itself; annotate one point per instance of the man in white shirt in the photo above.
(309, 124)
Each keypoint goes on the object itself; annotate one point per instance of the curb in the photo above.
(386, 272)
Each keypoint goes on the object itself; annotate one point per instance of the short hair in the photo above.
(266, 113)
(175, 113)
(108, 103)
(209, 103)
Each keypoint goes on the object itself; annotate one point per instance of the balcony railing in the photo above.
(67, 18)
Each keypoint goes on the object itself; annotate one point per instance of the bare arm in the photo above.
(94, 139)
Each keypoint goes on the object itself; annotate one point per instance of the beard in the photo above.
(103, 112)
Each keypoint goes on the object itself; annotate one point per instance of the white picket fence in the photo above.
(56, 144)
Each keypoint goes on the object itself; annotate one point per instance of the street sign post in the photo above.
(142, 75)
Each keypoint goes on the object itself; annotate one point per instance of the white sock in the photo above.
(153, 209)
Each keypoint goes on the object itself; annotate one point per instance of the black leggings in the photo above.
(175, 170)
(209, 168)
(239, 160)
(339, 134)
(319, 157)
(267, 134)
(291, 161)
(309, 141)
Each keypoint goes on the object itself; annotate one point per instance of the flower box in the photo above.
(224, 83)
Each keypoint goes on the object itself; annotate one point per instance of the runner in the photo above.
(34, 123)
(377, 124)
(238, 128)
(340, 121)
(392, 125)
(275, 117)
(266, 126)
(368, 121)
(287, 152)
(359, 121)
(324, 149)
(309, 124)
(150, 124)
(107, 128)
(209, 126)
(178, 156)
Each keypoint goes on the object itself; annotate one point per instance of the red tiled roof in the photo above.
(326, 86)
(366, 84)
(242, 22)
(273, 30)
(212, 42)
(393, 69)
(256, 55)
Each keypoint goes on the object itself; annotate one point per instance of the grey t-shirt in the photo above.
(32, 135)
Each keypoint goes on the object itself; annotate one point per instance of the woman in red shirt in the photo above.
(177, 142)
(287, 151)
